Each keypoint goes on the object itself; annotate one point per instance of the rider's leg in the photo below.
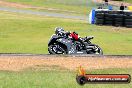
(81, 41)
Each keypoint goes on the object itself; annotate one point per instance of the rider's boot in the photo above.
(82, 42)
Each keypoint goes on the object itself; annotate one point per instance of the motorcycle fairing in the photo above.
(71, 47)
(53, 39)
(68, 43)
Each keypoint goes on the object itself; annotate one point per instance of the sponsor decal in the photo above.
(83, 78)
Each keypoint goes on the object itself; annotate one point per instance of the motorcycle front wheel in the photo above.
(56, 49)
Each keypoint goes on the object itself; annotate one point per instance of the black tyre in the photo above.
(119, 19)
(100, 17)
(118, 24)
(108, 19)
(127, 13)
(100, 14)
(129, 26)
(108, 22)
(97, 50)
(128, 20)
(128, 17)
(99, 21)
(109, 16)
(57, 48)
(128, 23)
(119, 16)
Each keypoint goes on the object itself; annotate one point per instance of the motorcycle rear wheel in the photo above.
(97, 50)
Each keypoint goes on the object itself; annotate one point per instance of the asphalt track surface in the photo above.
(81, 55)
(50, 14)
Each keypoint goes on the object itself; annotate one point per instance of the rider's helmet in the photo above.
(58, 30)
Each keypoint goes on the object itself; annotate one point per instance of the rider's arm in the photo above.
(67, 33)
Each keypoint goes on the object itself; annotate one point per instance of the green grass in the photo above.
(79, 6)
(129, 1)
(20, 33)
(55, 79)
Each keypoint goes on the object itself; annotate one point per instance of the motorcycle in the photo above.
(62, 44)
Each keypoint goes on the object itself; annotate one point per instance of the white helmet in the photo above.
(58, 30)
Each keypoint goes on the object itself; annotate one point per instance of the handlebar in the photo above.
(87, 38)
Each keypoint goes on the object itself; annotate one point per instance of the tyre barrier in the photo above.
(113, 18)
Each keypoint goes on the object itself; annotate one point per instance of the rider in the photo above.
(60, 31)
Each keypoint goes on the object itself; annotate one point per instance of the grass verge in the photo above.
(129, 1)
(55, 79)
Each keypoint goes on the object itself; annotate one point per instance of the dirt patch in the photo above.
(16, 63)
(18, 5)
(4, 3)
